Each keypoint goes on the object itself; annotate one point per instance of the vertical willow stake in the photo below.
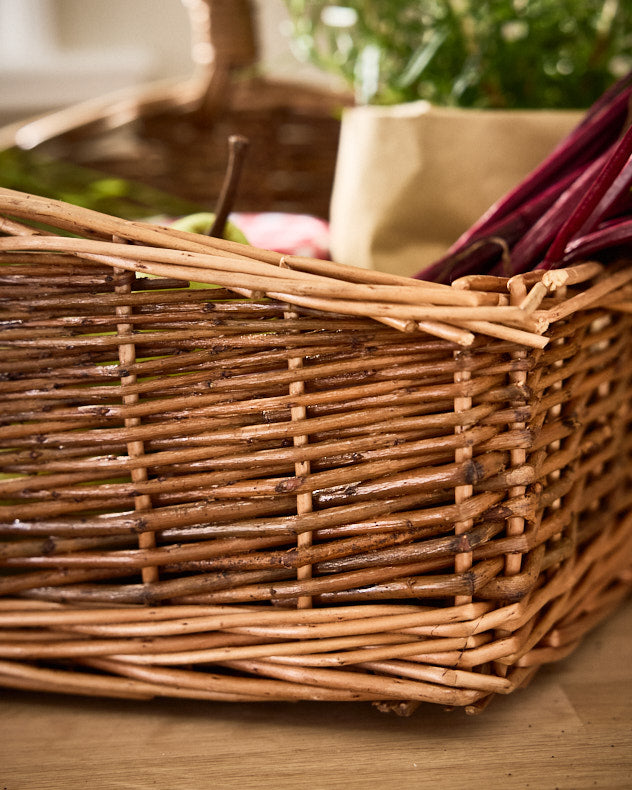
(135, 448)
(462, 560)
(304, 501)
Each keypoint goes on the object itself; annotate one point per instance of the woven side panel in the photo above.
(284, 487)
(216, 404)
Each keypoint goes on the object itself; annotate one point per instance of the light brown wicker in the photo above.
(312, 482)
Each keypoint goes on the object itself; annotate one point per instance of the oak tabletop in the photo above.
(571, 728)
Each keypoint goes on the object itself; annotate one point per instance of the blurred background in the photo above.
(407, 66)
(57, 52)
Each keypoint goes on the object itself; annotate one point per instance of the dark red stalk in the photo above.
(578, 189)
(532, 246)
(597, 130)
(612, 235)
(616, 197)
(589, 202)
(478, 257)
(514, 225)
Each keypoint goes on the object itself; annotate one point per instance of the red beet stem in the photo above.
(589, 202)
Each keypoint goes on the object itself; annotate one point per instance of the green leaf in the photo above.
(489, 53)
(420, 59)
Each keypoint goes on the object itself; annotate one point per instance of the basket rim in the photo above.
(517, 309)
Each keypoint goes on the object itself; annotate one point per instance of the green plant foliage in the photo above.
(469, 53)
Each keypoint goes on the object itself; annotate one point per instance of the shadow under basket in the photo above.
(266, 491)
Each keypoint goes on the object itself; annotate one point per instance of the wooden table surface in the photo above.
(572, 728)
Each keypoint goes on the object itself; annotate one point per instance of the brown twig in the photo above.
(237, 148)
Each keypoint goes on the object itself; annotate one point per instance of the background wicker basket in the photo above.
(173, 135)
(311, 482)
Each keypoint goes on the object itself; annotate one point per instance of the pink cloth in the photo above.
(292, 234)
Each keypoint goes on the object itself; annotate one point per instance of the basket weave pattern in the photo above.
(223, 494)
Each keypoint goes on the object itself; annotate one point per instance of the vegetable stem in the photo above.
(237, 147)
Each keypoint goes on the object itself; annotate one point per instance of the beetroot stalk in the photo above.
(615, 234)
(596, 191)
(484, 253)
(528, 251)
(594, 134)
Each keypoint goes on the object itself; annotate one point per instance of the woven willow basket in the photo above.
(311, 482)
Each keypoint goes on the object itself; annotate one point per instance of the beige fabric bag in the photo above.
(411, 178)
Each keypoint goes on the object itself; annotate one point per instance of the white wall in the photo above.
(159, 26)
(71, 50)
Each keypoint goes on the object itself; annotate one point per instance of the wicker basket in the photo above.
(172, 135)
(311, 482)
